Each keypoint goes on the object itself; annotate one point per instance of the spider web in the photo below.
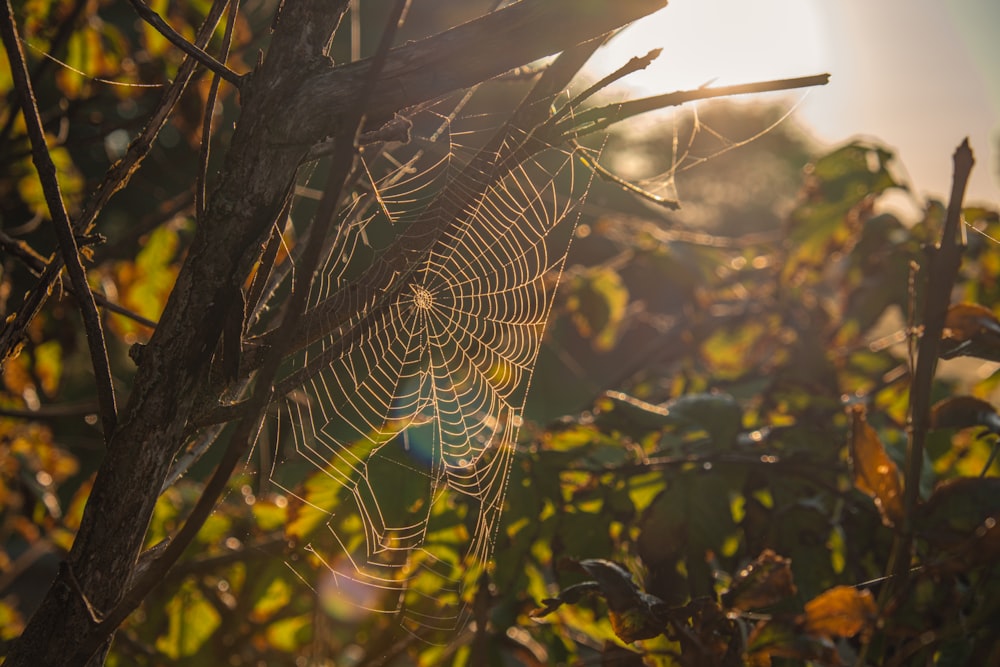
(408, 411)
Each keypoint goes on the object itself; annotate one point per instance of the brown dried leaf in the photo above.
(842, 611)
(874, 472)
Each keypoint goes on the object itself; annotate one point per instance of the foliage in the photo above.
(725, 488)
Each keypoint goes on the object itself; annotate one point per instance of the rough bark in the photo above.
(291, 102)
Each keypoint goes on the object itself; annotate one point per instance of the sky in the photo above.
(917, 75)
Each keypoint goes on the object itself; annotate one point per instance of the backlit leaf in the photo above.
(145, 284)
(875, 473)
(11, 623)
(842, 611)
(634, 614)
(290, 634)
(70, 181)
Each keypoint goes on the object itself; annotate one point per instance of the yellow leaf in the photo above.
(874, 472)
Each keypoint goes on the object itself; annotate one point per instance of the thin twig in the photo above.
(628, 186)
(635, 64)
(594, 120)
(206, 128)
(192, 50)
(60, 219)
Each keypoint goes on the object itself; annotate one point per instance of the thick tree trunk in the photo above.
(293, 101)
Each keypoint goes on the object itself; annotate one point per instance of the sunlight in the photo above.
(722, 42)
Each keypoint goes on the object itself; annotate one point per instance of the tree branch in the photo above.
(943, 263)
(594, 120)
(60, 220)
(458, 58)
(192, 50)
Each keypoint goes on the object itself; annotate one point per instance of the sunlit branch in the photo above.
(635, 64)
(600, 118)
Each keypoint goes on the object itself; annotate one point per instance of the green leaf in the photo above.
(275, 597)
(145, 284)
(634, 614)
(71, 182)
(290, 634)
(270, 515)
(11, 623)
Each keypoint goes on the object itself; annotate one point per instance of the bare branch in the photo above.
(192, 50)
(248, 427)
(458, 58)
(600, 118)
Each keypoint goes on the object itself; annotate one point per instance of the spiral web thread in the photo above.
(412, 425)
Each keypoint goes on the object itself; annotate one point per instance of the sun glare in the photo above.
(722, 42)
